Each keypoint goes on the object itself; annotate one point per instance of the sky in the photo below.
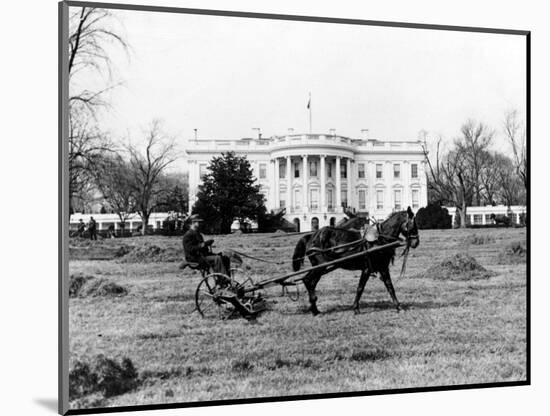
(225, 76)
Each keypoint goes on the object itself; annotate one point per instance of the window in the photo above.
(282, 170)
(488, 219)
(361, 171)
(314, 198)
(478, 219)
(414, 171)
(330, 202)
(379, 199)
(263, 171)
(297, 170)
(329, 170)
(379, 171)
(282, 199)
(344, 197)
(343, 171)
(397, 199)
(202, 170)
(297, 198)
(362, 199)
(396, 171)
(313, 169)
(415, 198)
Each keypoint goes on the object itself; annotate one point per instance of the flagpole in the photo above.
(309, 107)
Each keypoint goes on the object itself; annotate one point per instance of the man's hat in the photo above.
(195, 217)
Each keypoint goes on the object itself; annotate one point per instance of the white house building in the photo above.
(315, 177)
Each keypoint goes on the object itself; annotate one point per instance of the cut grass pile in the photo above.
(99, 378)
(457, 267)
(150, 253)
(81, 286)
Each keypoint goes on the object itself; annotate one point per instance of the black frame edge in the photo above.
(63, 212)
(293, 398)
(301, 18)
(528, 238)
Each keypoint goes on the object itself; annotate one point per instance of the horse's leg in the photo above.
(365, 274)
(385, 276)
(310, 282)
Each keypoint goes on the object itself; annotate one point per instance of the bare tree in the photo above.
(114, 179)
(473, 146)
(147, 168)
(90, 31)
(514, 130)
(87, 147)
(510, 191)
(450, 179)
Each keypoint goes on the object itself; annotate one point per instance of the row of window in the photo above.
(361, 170)
(362, 199)
(478, 219)
(313, 170)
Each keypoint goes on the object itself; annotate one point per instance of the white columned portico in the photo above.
(323, 185)
(276, 182)
(348, 179)
(338, 189)
(305, 180)
(288, 184)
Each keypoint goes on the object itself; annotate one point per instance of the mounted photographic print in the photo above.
(266, 207)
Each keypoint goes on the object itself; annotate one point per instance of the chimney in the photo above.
(365, 134)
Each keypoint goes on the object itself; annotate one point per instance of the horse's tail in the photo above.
(300, 252)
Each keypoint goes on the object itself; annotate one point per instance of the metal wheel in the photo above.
(207, 301)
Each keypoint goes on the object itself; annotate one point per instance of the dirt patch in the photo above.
(101, 376)
(242, 366)
(513, 253)
(457, 267)
(150, 253)
(81, 286)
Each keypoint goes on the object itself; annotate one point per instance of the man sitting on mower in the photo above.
(199, 251)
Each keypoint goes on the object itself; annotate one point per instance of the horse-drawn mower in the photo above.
(219, 295)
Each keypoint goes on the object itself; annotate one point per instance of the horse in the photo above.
(501, 219)
(331, 243)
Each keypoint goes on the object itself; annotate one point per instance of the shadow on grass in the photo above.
(377, 306)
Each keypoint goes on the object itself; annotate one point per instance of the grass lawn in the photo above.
(450, 332)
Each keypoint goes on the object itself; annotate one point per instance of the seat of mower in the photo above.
(190, 264)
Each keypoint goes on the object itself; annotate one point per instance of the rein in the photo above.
(255, 258)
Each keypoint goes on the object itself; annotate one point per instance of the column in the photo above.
(388, 191)
(323, 185)
(338, 189)
(276, 184)
(406, 198)
(305, 180)
(272, 181)
(371, 190)
(348, 178)
(288, 184)
(192, 167)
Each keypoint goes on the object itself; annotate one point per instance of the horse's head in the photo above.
(409, 230)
